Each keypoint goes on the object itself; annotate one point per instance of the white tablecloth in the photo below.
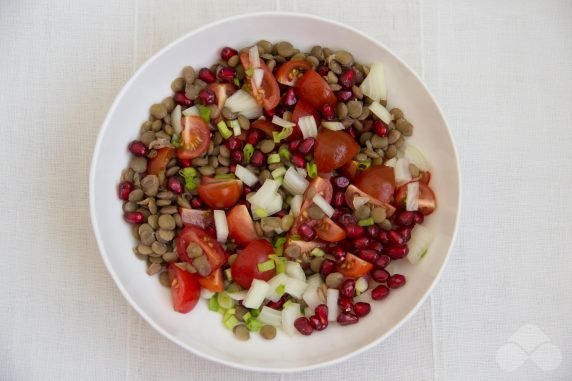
(502, 72)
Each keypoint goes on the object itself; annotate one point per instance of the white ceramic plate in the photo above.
(201, 331)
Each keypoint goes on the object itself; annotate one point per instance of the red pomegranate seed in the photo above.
(344, 95)
(339, 199)
(380, 128)
(383, 237)
(289, 99)
(322, 70)
(124, 189)
(137, 148)
(234, 143)
(258, 159)
(395, 238)
(372, 231)
(316, 323)
(368, 255)
(352, 131)
(346, 318)
(354, 231)
(293, 145)
(347, 79)
(246, 190)
(227, 53)
(232, 167)
(382, 261)
(405, 218)
(279, 111)
(346, 304)
(207, 97)
(226, 74)
(237, 156)
(396, 281)
(206, 75)
(181, 99)
(380, 292)
(361, 309)
(298, 160)
(361, 243)
(397, 252)
(406, 233)
(306, 146)
(254, 136)
(376, 246)
(175, 184)
(196, 203)
(339, 253)
(347, 219)
(185, 163)
(328, 112)
(276, 305)
(211, 230)
(134, 217)
(348, 288)
(321, 312)
(419, 217)
(337, 212)
(328, 267)
(281, 213)
(341, 182)
(303, 326)
(307, 232)
(379, 275)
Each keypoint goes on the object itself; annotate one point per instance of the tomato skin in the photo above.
(334, 149)
(159, 161)
(427, 199)
(241, 226)
(352, 191)
(425, 177)
(195, 138)
(284, 73)
(269, 94)
(312, 88)
(317, 186)
(219, 193)
(245, 268)
(349, 169)
(264, 126)
(222, 92)
(185, 289)
(211, 248)
(197, 217)
(354, 267)
(329, 231)
(213, 282)
(378, 181)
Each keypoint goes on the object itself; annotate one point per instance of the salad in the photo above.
(278, 187)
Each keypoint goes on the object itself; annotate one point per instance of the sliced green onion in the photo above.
(273, 158)
(363, 165)
(317, 252)
(280, 290)
(248, 150)
(176, 140)
(255, 312)
(236, 82)
(231, 322)
(205, 113)
(225, 176)
(366, 222)
(223, 129)
(235, 127)
(246, 317)
(278, 172)
(188, 172)
(228, 274)
(260, 212)
(284, 153)
(312, 169)
(266, 266)
(295, 237)
(213, 304)
(279, 244)
(249, 72)
(254, 325)
(279, 180)
(224, 300)
(283, 134)
(191, 183)
(280, 265)
(288, 302)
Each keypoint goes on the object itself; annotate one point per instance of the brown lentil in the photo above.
(144, 249)
(178, 84)
(240, 312)
(312, 60)
(317, 52)
(378, 141)
(159, 247)
(362, 212)
(157, 125)
(316, 264)
(200, 161)
(293, 251)
(264, 46)
(241, 332)
(189, 74)
(138, 164)
(202, 265)
(400, 142)
(396, 113)
(390, 152)
(268, 332)
(207, 170)
(165, 236)
(169, 209)
(335, 67)
(385, 225)
(404, 127)
(345, 58)
(315, 213)
(167, 222)
(136, 195)
(154, 268)
(334, 280)
(267, 146)
(129, 206)
(150, 185)
(285, 49)
(163, 202)
(164, 279)
(158, 110)
(286, 222)
(378, 215)
(341, 110)
(331, 78)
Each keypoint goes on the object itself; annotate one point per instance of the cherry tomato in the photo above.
(427, 200)
(197, 217)
(425, 177)
(268, 95)
(354, 267)
(240, 225)
(219, 193)
(329, 231)
(317, 186)
(264, 126)
(195, 138)
(213, 282)
(159, 162)
(245, 268)
(349, 169)
(185, 289)
(378, 181)
(301, 109)
(353, 192)
(222, 92)
(289, 72)
(334, 149)
(312, 88)
(211, 248)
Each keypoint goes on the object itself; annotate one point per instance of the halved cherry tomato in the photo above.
(427, 200)
(195, 138)
(312, 88)
(240, 225)
(268, 94)
(289, 72)
(349, 169)
(354, 267)
(317, 186)
(301, 109)
(425, 177)
(185, 289)
(245, 268)
(222, 92)
(213, 282)
(378, 181)
(329, 231)
(159, 162)
(305, 246)
(265, 126)
(334, 149)
(353, 192)
(197, 217)
(211, 248)
(219, 193)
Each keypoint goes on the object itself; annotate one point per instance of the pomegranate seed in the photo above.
(234, 143)
(347, 79)
(134, 217)
(254, 136)
(396, 281)
(406, 233)
(246, 190)
(175, 184)
(348, 288)
(372, 231)
(346, 304)
(237, 156)
(276, 305)
(181, 99)
(196, 203)
(395, 238)
(232, 167)
(206, 75)
(185, 163)
(137, 148)
(316, 323)
(352, 131)
(344, 95)
(303, 326)
(289, 99)
(124, 189)
(339, 253)
(328, 112)
(361, 309)
(419, 217)
(379, 275)
(327, 268)
(293, 145)
(279, 111)
(298, 160)
(346, 318)
(347, 219)
(321, 312)
(361, 243)
(405, 218)
(322, 70)
(380, 128)
(383, 237)
(281, 213)
(397, 252)
(226, 74)
(306, 146)
(380, 292)
(211, 230)
(339, 199)
(258, 159)
(227, 53)
(382, 261)
(368, 255)
(341, 182)
(376, 246)
(337, 212)
(354, 231)
(207, 97)
(307, 232)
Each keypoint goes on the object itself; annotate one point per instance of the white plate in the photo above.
(201, 331)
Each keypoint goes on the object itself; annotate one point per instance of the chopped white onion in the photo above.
(324, 205)
(270, 316)
(412, 199)
(278, 281)
(314, 280)
(359, 201)
(295, 287)
(391, 162)
(282, 122)
(361, 284)
(206, 294)
(176, 116)
(244, 104)
(258, 76)
(235, 127)
(308, 126)
(254, 57)
(380, 111)
(332, 302)
(289, 315)
(414, 155)
(294, 270)
(419, 244)
(373, 84)
(401, 169)
(275, 206)
(221, 225)
(192, 111)
(334, 126)
(296, 204)
(245, 175)
(265, 195)
(256, 294)
(313, 296)
(302, 172)
(294, 183)
(364, 297)
(237, 295)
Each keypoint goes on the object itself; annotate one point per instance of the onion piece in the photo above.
(333, 126)
(256, 294)
(206, 294)
(238, 295)
(294, 183)
(244, 104)
(295, 287)
(296, 204)
(419, 244)
(245, 175)
(254, 56)
(258, 75)
(414, 155)
(221, 225)
(314, 280)
(374, 84)
(332, 302)
(361, 284)
(176, 116)
(313, 298)
(276, 283)
(360, 201)
(289, 315)
(364, 297)
(192, 111)
(391, 162)
(282, 122)
(412, 199)
(294, 270)
(381, 112)
(308, 126)
(324, 205)
(401, 169)
(265, 195)
(270, 316)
